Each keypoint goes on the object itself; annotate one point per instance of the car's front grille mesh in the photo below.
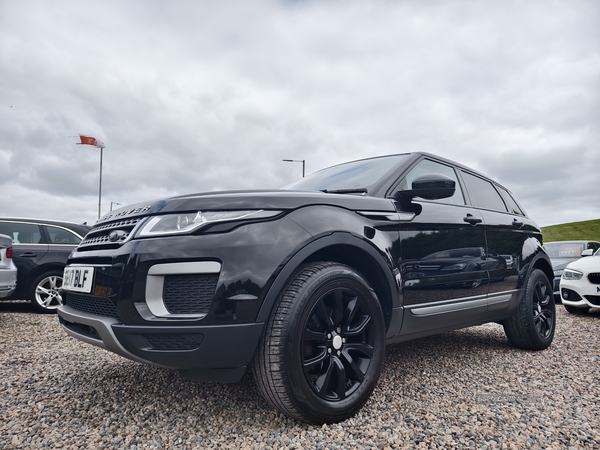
(189, 294)
(173, 341)
(594, 277)
(593, 299)
(91, 304)
(98, 237)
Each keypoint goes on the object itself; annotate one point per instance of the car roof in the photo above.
(61, 223)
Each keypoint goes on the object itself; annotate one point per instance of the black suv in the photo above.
(40, 252)
(307, 284)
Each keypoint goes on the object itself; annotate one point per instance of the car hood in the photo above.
(561, 263)
(588, 263)
(241, 200)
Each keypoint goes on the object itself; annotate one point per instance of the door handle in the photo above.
(28, 255)
(517, 224)
(469, 218)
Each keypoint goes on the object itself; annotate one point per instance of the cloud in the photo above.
(195, 97)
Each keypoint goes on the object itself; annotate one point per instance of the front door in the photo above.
(443, 260)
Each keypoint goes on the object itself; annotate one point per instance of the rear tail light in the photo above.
(9, 252)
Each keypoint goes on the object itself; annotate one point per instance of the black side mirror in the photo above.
(430, 186)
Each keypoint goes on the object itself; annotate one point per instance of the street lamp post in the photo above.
(113, 203)
(89, 140)
(303, 161)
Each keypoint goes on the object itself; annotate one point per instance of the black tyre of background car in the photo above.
(575, 310)
(45, 288)
(321, 354)
(532, 326)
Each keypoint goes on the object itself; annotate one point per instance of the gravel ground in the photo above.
(466, 388)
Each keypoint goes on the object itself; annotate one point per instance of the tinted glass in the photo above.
(483, 194)
(427, 166)
(352, 175)
(61, 236)
(21, 233)
(510, 202)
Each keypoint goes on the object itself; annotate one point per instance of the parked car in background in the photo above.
(307, 283)
(562, 253)
(40, 252)
(580, 285)
(8, 270)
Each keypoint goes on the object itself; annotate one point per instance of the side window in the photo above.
(510, 202)
(61, 236)
(427, 166)
(22, 233)
(483, 194)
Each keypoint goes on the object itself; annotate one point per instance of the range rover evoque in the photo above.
(307, 284)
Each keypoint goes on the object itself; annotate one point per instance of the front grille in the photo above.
(174, 341)
(593, 299)
(594, 277)
(100, 306)
(97, 238)
(189, 294)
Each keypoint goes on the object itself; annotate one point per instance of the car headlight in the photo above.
(570, 274)
(189, 222)
(558, 273)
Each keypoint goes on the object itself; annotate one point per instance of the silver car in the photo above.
(8, 270)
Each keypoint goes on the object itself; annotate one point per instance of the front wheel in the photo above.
(532, 326)
(44, 294)
(321, 354)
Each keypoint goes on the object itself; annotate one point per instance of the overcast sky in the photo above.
(202, 96)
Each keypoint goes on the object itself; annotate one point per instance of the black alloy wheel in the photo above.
(532, 326)
(337, 344)
(543, 310)
(321, 354)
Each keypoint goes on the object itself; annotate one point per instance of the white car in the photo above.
(8, 270)
(580, 284)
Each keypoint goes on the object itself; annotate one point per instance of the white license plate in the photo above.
(78, 278)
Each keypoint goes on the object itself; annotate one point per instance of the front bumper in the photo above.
(215, 353)
(580, 294)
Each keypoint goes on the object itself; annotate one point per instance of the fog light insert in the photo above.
(565, 294)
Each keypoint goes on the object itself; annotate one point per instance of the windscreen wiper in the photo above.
(346, 191)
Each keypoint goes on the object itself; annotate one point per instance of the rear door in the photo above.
(507, 233)
(29, 247)
(442, 264)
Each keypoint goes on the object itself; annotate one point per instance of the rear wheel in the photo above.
(532, 326)
(44, 294)
(321, 354)
(575, 310)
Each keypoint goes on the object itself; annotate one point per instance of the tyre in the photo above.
(44, 293)
(532, 326)
(321, 354)
(575, 310)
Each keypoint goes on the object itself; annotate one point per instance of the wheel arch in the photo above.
(343, 248)
(545, 266)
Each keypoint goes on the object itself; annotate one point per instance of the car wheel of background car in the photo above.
(321, 354)
(575, 310)
(532, 326)
(44, 293)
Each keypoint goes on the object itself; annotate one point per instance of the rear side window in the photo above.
(483, 194)
(61, 236)
(22, 233)
(510, 202)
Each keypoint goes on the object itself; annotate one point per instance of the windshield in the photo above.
(348, 176)
(564, 249)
